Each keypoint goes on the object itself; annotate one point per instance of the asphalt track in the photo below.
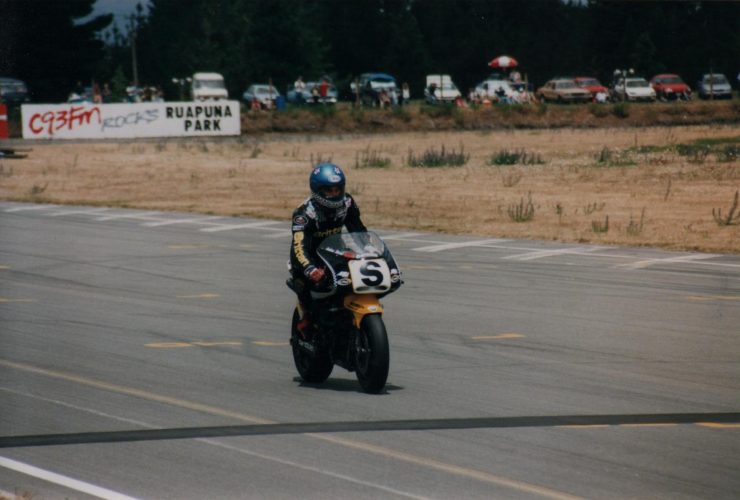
(145, 355)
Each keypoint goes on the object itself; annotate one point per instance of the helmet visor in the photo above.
(332, 192)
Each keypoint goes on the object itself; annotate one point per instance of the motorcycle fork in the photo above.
(362, 305)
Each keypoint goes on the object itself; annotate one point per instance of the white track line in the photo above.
(539, 254)
(670, 260)
(139, 216)
(65, 481)
(88, 211)
(230, 227)
(452, 246)
(30, 207)
(401, 236)
(169, 222)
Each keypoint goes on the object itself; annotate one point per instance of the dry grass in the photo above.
(651, 194)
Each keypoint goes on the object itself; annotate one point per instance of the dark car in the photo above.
(670, 87)
(376, 89)
(13, 91)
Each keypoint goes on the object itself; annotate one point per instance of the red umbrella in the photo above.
(503, 62)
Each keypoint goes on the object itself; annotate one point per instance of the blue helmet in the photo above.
(327, 185)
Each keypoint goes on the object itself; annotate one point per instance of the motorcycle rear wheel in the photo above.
(372, 359)
(314, 369)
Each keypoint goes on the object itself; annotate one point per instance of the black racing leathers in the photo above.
(311, 224)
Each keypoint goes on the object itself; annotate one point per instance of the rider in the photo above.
(323, 214)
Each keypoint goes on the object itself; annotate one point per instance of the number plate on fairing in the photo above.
(370, 276)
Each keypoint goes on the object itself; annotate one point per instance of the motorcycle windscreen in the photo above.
(370, 276)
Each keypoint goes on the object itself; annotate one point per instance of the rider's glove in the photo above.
(315, 274)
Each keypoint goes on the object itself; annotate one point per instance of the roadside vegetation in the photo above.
(344, 118)
(670, 187)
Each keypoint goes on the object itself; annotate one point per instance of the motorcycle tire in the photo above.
(313, 368)
(372, 357)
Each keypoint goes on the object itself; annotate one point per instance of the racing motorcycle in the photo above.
(348, 328)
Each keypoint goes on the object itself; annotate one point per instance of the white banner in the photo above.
(126, 121)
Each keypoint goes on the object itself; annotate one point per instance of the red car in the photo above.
(670, 87)
(591, 84)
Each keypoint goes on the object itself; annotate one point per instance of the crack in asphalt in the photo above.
(367, 426)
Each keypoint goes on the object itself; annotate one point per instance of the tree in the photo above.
(44, 43)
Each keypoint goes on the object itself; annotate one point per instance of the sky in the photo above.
(121, 9)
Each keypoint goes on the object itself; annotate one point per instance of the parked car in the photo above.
(440, 88)
(262, 94)
(592, 85)
(13, 91)
(84, 96)
(632, 88)
(374, 86)
(208, 86)
(310, 96)
(670, 87)
(714, 85)
(563, 91)
(496, 89)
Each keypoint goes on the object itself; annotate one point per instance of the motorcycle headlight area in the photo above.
(370, 276)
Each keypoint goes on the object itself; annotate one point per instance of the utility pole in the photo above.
(133, 28)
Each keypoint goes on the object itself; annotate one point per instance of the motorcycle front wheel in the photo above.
(313, 368)
(372, 356)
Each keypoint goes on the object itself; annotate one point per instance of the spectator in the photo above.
(97, 95)
(299, 87)
(323, 90)
(501, 95)
(432, 89)
(405, 94)
(315, 94)
(383, 99)
(473, 96)
(107, 93)
(158, 94)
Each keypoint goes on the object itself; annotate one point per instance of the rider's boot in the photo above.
(304, 321)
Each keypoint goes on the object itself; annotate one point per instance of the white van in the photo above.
(208, 86)
(440, 88)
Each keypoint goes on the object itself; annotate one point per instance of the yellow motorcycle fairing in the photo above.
(361, 306)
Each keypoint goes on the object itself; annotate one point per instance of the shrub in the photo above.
(506, 157)
(368, 158)
(621, 110)
(523, 211)
(598, 110)
(442, 158)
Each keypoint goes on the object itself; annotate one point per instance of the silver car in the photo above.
(714, 85)
(262, 93)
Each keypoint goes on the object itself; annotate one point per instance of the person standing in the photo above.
(323, 90)
(299, 87)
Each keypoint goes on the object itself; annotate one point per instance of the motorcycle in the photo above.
(347, 325)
